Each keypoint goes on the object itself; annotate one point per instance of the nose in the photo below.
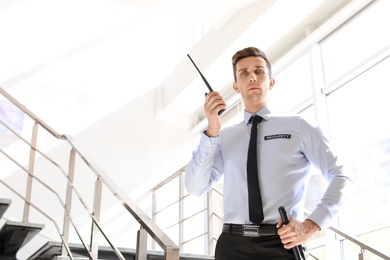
(252, 77)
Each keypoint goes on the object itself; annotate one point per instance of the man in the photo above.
(287, 146)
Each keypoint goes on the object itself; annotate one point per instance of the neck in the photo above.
(253, 108)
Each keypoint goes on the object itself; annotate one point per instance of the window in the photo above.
(358, 115)
(359, 39)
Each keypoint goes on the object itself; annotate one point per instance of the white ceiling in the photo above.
(85, 59)
(95, 69)
(74, 62)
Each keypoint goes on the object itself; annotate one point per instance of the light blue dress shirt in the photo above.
(288, 145)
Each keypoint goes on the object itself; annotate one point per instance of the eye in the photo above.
(259, 72)
(244, 73)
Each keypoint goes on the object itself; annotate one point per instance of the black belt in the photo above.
(250, 230)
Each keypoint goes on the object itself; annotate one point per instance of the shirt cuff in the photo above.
(320, 219)
(208, 144)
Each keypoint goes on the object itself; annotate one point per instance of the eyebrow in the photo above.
(256, 67)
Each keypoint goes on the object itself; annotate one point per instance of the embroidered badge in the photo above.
(269, 137)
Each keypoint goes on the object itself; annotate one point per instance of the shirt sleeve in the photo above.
(317, 150)
(205, 167)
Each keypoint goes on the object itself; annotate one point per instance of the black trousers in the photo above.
(237, 247)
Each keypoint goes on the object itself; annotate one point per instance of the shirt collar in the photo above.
(265, 113)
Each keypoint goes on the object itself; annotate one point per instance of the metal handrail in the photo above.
(44, 214)
(354, 239)
(171, 250)
(65, 244)
(359, 242)
(30, 114)
(154, 231)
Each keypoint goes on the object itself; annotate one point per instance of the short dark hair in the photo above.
(249, 52)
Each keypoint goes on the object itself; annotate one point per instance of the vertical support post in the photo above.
(97, 202)
(34, 137)
(362, 255)
(181, 210)
(209, 222)
(142, 240)
(154, 215)
(68, 202)
(171, 254)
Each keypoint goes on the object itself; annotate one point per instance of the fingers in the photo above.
(213, 103)
(285, 230)
(280, 223)
(284, 233)
(289, 234)
(290, 241)
(296, 233)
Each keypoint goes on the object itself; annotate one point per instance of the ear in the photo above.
(271, 83)
(235, 87)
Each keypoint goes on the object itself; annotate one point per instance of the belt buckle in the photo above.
(250, 231)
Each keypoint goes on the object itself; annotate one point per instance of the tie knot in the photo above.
(255, 119)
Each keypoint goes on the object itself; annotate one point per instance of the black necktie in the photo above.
(255, 204)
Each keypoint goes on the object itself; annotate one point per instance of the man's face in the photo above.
(253, 82)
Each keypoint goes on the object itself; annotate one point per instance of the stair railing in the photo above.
(363, 245)
(171, 251)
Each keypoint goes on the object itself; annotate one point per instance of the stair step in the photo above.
(52, 251)
(68, 258)
(14, 235)
(4, 204)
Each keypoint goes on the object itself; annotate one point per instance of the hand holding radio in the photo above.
(207, 84)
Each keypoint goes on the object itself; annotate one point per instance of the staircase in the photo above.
(54, 183)
(14, 235)
(52, 251)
